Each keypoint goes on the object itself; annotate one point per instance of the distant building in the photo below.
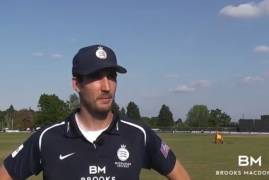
(254, 125)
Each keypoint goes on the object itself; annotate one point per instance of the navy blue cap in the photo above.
(94, 58)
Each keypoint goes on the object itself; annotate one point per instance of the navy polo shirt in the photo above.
(119, 153)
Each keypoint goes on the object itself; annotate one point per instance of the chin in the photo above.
(103, 109)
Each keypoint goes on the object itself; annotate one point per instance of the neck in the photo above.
(94, 121)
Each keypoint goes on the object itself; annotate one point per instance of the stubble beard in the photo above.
(94, 110)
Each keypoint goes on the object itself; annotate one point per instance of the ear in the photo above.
(75, 84)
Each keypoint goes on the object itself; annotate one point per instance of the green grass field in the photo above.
(201, 157)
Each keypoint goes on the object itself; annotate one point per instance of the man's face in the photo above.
(97, 91)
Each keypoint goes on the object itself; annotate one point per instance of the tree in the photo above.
(151, 122)
(225, 120)
(51, 110)
(122, 112)
(73, 102)
(133, 111)
(2, 120)
(10, 116)
(218, 118)
(179, 122)
(198, 116)
(165, 118)
(115, 108)
(154, 121)
(24, 119)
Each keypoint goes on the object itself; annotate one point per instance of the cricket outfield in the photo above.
(203, 159)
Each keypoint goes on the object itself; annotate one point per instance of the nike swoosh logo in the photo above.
(61, 157)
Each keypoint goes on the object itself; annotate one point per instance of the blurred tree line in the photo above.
(52, 109)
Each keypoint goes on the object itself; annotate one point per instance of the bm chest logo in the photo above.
(244, 160)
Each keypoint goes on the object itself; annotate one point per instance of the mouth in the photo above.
(105, 99)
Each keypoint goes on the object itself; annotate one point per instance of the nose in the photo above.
(105, 84)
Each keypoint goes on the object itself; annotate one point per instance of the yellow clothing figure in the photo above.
(218, 138)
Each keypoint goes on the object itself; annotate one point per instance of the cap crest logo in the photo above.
(101, 53)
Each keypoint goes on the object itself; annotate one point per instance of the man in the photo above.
(93, 143)
(218, 138)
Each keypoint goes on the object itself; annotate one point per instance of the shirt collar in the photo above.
(72, 129)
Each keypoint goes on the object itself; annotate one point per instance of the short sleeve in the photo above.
(25, 160)
(158, 155)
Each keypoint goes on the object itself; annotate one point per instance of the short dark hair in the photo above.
(80, 78)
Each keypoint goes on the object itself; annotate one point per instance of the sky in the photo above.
(178, 53)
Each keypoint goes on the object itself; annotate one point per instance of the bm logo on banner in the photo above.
(244, 160)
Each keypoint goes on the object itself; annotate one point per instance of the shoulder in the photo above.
(49, 132)
(135, 128)
(134, 124)
(52, 128)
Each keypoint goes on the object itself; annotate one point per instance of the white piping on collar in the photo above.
(138, 127)
(42, 134)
